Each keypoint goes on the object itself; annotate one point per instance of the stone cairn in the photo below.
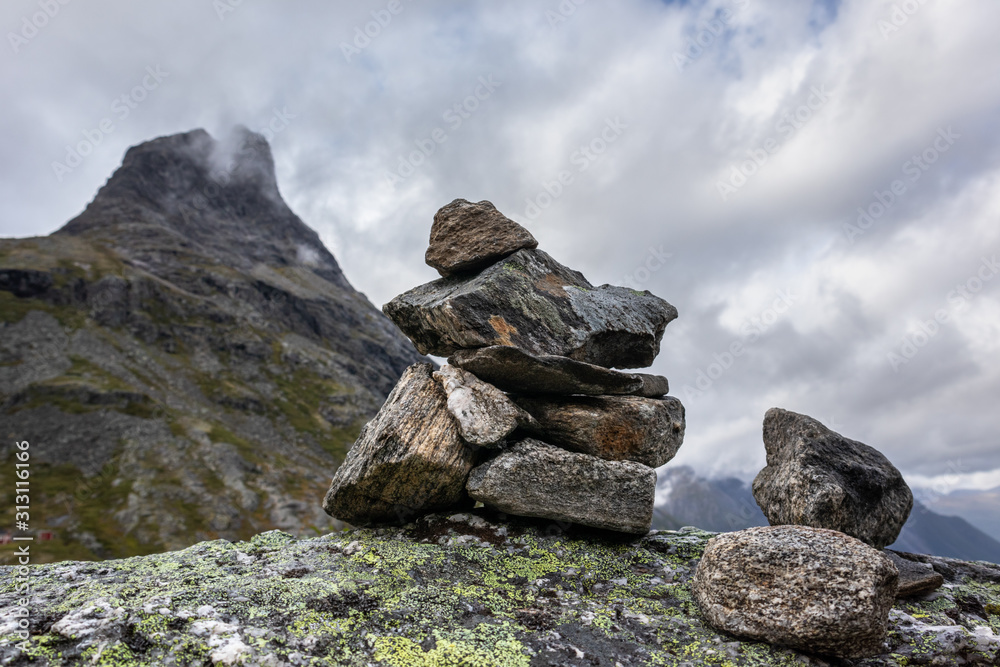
(818, 578)
(528, 416)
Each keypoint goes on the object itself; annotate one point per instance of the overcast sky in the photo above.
(716, 153)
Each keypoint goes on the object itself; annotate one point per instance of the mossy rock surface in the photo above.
(463, 589)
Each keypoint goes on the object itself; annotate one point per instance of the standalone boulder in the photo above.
(539, 480)
(811, 589)
(615, 428)
(815, 477)
(530, 301)
(484, 414)
(470, 237)
(408, 460)
(517, 371)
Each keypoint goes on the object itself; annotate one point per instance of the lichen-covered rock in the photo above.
(535, 479)
(530, 301)
(615, 428)
(484, 414)
(447, 589)
(470, 237)
(517, 371)
(809, 588)
(408, 460)
(816, 477)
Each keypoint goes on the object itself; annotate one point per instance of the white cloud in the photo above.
(655, 187)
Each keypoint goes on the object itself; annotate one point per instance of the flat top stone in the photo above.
(535, 479)
(470, 237)
(515, 370)
(530, 301)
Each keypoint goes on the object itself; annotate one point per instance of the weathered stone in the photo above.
(470, 237)
(808, 588)
(484, 414)
(614, 428)
(486, 591)
(915, 578)
(530, 301)
(815, 477)
(538, 480)
(408, 460)
(517, 371)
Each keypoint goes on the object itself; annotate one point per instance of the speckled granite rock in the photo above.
(535, 479)
(530, 301)
(517, 371)
(408, 460)
(808, 588)
(815, 477)
(614, 428)
(470, 237)
(459, 589)
(484, 414)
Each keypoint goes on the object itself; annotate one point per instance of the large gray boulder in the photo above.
(517, 371)
(615, 428)
(535, 479)
(484, 414)
(408, 460)
(530, 301)
(808, 588)
(816, 477)
(470, 237)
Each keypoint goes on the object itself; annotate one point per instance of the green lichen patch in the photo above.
(465, 589)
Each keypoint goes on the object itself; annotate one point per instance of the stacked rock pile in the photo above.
(818, 578)
(528, 416)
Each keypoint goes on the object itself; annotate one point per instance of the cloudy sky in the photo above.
(816, 187)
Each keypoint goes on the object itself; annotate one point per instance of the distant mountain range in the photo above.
(726, 504)
(185, 358)
(981, 508)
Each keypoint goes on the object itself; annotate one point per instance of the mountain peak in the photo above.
(191, 194)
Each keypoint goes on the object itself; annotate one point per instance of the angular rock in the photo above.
(530, 301)
(815, 477)
(470, 237)
(614, 428)
(484, 414)
(915, 578)
(538, 480)
(408, 460)
(517, 371)
(808, 588)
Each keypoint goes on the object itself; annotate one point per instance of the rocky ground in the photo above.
(463, 589)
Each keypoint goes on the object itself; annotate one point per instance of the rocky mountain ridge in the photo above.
(185, 357)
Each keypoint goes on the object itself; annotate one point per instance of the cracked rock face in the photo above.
(408, 460)
(484, 414)
(517, 371)
(447, 589)
(808, 588)
(614, 428)
(467, 237)
(530, 301)
(816, 477)
(535, 479)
